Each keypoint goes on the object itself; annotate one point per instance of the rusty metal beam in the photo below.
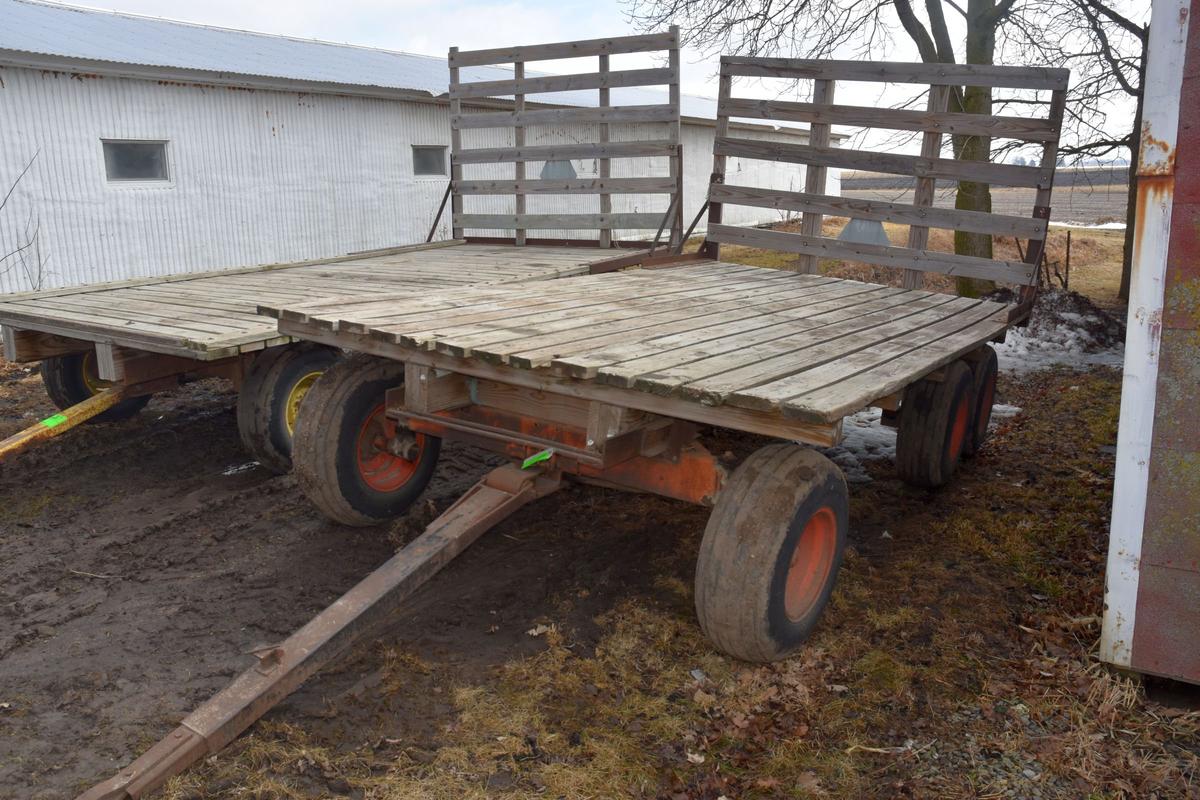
(282, 668)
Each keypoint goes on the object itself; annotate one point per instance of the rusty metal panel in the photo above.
(1126, 607)
(1166, 636)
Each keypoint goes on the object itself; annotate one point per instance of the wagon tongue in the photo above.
(281, 669)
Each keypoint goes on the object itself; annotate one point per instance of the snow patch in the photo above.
(1065, 329)
(237, 469)
(1102, 226)
(864, 440)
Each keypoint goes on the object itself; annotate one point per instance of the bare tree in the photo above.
(26, 254)
(1048, 32)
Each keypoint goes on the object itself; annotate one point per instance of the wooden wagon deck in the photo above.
(771, 342)
(211, 316)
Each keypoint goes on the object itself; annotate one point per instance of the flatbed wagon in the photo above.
(609, 378)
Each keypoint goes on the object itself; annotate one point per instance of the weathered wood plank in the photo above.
(564, 83)
(897, 72)
(573, 186)
(814, 174)
(615, 45)
(919, 166)
(556, 221)
(928, 260)
(25, 345)
(1029, 129)
(563, 152)
(663, 112)
(832, 205)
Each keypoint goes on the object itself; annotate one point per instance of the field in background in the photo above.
(1081, 198)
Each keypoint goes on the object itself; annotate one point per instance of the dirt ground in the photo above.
(140, 562)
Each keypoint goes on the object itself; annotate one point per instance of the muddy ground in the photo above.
(139, 563)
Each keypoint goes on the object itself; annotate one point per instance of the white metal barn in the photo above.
(157, 147)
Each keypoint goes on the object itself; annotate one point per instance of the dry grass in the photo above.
(957, 660)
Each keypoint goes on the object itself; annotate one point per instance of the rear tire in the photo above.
(935, 422)
(771, 552)
(270, 400)
(983, 372)
(340, 450)
(73, 378)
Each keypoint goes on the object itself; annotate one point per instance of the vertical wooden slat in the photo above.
(710, 248)
(519, 141)
(814, 176)
(675, 135)
(1041, 200)
(605, 164)
(931, 147)
(456, 171)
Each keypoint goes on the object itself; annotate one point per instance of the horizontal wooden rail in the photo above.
(575, 186)
(1029, 129)
(1004, 174)
(556, 221)
(564, 83)
(548, 52)
(903, 257)
(566, 116)
(928, 216)
(897, 72)
(563, 152)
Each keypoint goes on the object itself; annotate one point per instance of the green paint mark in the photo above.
(54, 421)
(537, 458)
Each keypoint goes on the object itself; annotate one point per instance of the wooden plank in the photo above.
(711, 248)
(518, 166)
(824, 434)
(838, 399)
(556, 221)
(919, 166)
(22, 345)
(815, 174)
(897, 72)
(835, 206)
(626, 364)
(614, 45)
(928, 260)
(663, 112)
(654, 76)
(778, 352)
(572, 186)
(456, 170)
(954, 123)
(605, 163)
(127, 365)
(564, 152)
(931, 147)
(904, 321)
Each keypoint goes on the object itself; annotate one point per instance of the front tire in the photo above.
(342, 452)
(73, 378)
(983, 372)
(771, 552)
(269, 401)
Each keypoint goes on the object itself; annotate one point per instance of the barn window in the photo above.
(429, 160)
(135, 161)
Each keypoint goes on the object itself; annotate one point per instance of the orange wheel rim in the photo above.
(811, 564)
(958, 428)
(379, 467)
(985, 407)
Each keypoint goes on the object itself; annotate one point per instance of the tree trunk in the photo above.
(974, 195)
(1135, 149)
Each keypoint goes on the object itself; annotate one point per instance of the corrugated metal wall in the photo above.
(257, 177)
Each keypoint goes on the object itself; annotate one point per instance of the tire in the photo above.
(337, 454)
(73, 378)
(983, 373)
(935, 422)
(270, 398)
(771, 552)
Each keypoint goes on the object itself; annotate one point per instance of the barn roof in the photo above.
(41, 34)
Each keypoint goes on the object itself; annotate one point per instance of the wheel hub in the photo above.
(300, 388)
(385, 462)
(811, 563)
